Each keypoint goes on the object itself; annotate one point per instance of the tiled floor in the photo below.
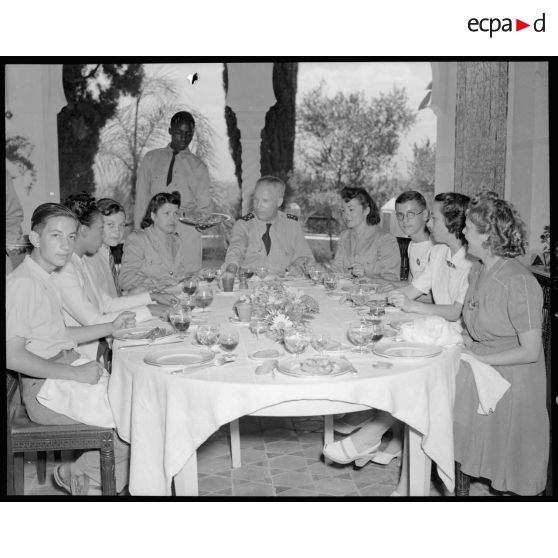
(280, 457)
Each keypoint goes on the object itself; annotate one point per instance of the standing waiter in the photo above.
(176, 168)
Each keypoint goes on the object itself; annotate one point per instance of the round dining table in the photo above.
(166, 416)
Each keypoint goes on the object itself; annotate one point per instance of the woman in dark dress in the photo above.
(502, 313)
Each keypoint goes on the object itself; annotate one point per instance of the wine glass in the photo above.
(208, 274)
(190, 284)
(203, 296)
(378, 309)
(360, 334)
(377, 330)
(262, 272)
(320, 341)
(228, 339)
(180, 316)
(257, 327)
(359, 295)
(330, 282)
(207, 334)
(296, 339)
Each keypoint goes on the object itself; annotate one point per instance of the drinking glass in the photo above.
(207, 334)
(360, 294)
(248, 273)
(296, 339)
(228, 339)
(180, 316)
(378, 309)
(208, 274)
(377, 330)
(360, 334)
(203, 296)
(330, 282)
(190, 284)
(257, 327)
(320, 341)
(262, 272)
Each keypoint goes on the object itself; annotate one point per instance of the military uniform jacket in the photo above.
(288, 245)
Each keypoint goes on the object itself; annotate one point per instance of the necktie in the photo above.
(267, 239)
(169, 174)
(112, 265)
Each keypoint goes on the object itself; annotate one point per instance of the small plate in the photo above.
(178, 357)
(295, 367)
(335, 346)
(206, 220)
(265, 354)
(140, 332)
(407, 350)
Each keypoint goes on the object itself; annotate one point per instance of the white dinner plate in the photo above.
(140, 332)
(265, 354)
(407, 350)
(170, 356)
(295, 367)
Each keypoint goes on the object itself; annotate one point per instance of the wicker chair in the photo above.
(23, 435)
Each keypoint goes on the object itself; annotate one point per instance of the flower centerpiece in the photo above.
(280, 306)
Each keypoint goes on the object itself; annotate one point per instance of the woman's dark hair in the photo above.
(412, 195)
(108, 206)
(157, 201)
(507, 235)
(84, 207)
(360, 194)
(47, 211)
(454, 207)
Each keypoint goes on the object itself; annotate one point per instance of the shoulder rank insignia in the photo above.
(293, 217)
(248, 216)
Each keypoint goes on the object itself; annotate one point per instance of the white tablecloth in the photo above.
(167, 417)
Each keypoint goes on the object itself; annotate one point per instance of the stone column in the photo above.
(250, 94)
(34, 97)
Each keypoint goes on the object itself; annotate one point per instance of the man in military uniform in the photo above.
(267, 237)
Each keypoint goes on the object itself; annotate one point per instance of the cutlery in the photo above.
(219, 361)
(150, 343)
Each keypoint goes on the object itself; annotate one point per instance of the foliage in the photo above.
(422, 168)
(282, 306)
(18, 151)
(345, 140)
(93, 92)
(140, 124)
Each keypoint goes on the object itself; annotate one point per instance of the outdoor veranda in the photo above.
(281, 455)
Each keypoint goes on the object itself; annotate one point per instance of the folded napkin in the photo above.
(87, 403)
(432, 329)
(491, 386)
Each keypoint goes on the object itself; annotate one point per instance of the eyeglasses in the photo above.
(410, 215)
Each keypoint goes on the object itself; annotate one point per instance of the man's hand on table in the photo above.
(402, 301)
(124, 320)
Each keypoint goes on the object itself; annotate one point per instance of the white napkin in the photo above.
(432, 329)
(491, 386)
(87, 403)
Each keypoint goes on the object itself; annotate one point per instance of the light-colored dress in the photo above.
(377, 250)
(509, 446)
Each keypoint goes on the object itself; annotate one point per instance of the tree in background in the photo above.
(277, 147)
(18, 152)
(93, 92)
(140, 124)
(422, 168)
(347, 140)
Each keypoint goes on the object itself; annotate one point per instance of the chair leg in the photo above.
(41, 466)
(328, 434)
(462, 481)
(108, 479)
(18, 474)
(236, 458)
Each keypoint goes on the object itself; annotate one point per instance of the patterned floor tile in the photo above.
(212, 465)
(267, 423)
(248, 489)
(252, 440)
(283, 447)
(287, 462)
(336, 487)
(381, 490)
(213, 483)
(320, 468)
(226, 492)
(214, 449)
(296, 492)
(252, 456)
(250, 472)
(291, 479)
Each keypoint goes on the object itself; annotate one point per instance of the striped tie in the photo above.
(112, 265)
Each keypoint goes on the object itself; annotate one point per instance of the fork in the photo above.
(219, 361)
(151, 343)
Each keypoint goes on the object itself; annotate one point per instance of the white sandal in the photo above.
(344, 452)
